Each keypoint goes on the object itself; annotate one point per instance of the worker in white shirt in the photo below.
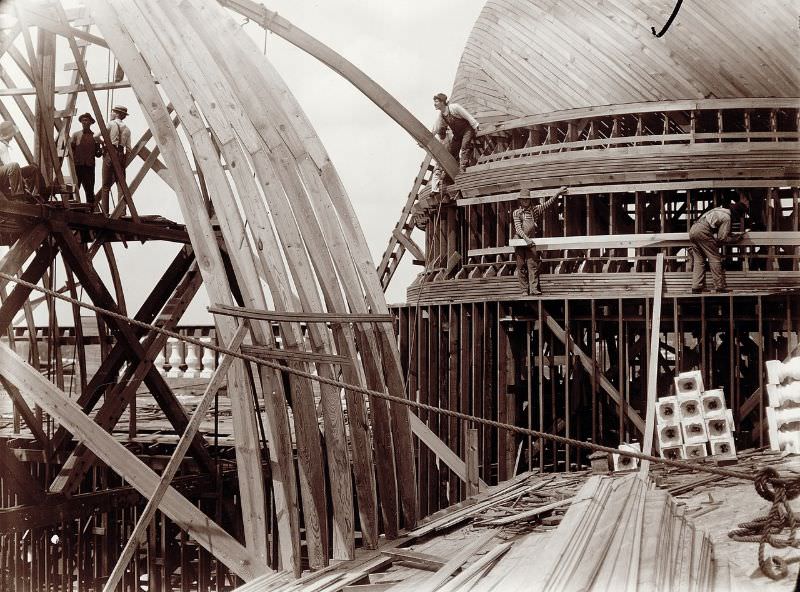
(120, 137)
(711, 231)
(17, 180)
(463, 125)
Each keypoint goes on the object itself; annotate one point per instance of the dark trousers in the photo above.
(528, 262)
(86, 174)
(704, 246)
(461, 147)
(110, 177)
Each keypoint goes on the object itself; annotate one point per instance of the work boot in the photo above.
(722, 290)
(697, 290)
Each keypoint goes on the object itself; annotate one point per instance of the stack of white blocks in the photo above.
(626, 463)
(695, 422)
(783, 413)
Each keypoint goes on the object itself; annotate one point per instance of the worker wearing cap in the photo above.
(463, 125)
(86, 147)
(120, 137)
(527, 225)
(711, 231)
(20, 180)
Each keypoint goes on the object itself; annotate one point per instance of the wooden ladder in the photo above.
(400, 240)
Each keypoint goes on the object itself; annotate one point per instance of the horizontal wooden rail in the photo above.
(636, 241)
(297, 317)
(293, 355)
(639, 108)
(631, 188)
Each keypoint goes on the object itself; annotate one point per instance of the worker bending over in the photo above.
(461, 123)
(527, 225)
(711, 231)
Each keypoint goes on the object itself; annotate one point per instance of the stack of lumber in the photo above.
(619, 534)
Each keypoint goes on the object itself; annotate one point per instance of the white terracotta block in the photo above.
(723, 449)
(626, 463)
(669, 435)
(694, 431)
(718, 428)
(689, 383)
(713, 403)
(673, 453)
(690, 407)
(667, 410)
(695, 451)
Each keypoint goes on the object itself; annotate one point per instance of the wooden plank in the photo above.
(269, 353)
(409, 244)
(18, 479)
(299, 317)
(214, 384)
(436, 581)
(471, 455)
(416, 559)
(205, 531)
(528, 514)
(652, 367)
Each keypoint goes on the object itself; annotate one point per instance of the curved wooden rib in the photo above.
(371, 89)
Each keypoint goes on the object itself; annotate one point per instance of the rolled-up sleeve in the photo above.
(459, 111)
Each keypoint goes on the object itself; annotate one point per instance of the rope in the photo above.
(793, 484)
(765, 529)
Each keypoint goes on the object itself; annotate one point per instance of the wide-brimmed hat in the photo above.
(524, 194)
(120, 109)
(86, 116)
(7, 130)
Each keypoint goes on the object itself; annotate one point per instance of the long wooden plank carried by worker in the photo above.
(199, 415)
(373, 91)
(205, 531)
(205, 244)
(652, 366)
(321, 166)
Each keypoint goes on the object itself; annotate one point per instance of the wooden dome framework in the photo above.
(267, 225)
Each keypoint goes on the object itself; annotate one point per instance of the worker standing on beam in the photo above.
(711, 231)
(463, 125)
(120, 137)
(527, 225)
(86, 147)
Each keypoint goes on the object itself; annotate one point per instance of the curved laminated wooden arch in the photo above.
(270, 226)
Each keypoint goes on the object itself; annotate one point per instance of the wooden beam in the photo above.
(270, 353)
(652, 366)
(298, 317)
(439, 448)
(188, 517)
(219, 377)
(34, 424)
(373, 91)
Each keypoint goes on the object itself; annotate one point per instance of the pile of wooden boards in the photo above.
(619, 534)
